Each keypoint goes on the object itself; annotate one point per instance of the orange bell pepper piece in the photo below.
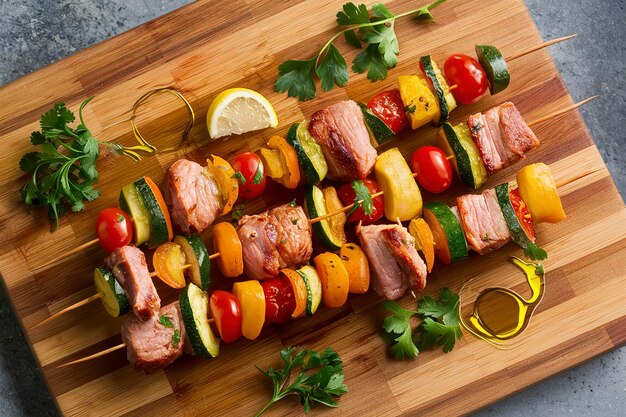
(299, 290)
(424, 240)
(357, 266)
(291, 177)
(227, 243)
(334, 278)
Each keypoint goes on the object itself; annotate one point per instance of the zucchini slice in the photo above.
(194, 306)
(518, 234)
(440, 87)
(495, 67)
(113, 298)
(314, 287)
(315, 206)
(158, 222)
(457, 141)
(132, 203)
(379, 129)
(450, 245)
(309, 152)
(197, 255)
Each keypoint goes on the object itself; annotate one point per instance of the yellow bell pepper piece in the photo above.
(227, 243)
(537, 188)
(334, 278)
(289, 160)
(252, 301)
(221, 171)
(272, 163)
(420, 103)
(403, 199)
(338, 221)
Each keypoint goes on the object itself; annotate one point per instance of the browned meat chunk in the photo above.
(482, 221)
(156, 343)
(128, 264)
(490, 145)
(517, 135)
(191, 195)
(395, 264)
(276, 239)
(340, 131)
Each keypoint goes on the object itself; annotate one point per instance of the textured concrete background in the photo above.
(34, 33)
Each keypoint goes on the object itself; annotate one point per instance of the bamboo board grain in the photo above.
(208, 46)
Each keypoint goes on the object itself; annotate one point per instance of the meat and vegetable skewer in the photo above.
(295, 293)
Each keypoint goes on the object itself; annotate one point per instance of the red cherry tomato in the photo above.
(226, 312)
(389, 107)
(280, 300)
(468, 76)
(522, 213)
(114, 229)
(433, 169)
(251, 168)
(346, 194)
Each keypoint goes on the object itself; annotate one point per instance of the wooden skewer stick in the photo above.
(560, 112)
(67, 254)
(538, 47)
(341, 210)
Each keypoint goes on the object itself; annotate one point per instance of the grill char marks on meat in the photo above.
(275, 239)
(191, 196)
(155, 343)
(130, 269)
(340, 131)
(482, 220)
(395, 264)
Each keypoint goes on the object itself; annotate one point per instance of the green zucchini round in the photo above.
(197, 255)
(313, 286)
(429, 69)
(495, 67)
(158, 224)
(381, 132)
(316, 206)
(309, 152)
(113, 298)
(451, 226)
(194, 306)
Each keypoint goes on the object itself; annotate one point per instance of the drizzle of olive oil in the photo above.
(501, 314)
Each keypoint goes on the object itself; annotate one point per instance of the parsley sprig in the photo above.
(362, 198)
(320, 379)
(64, 172)
(439, 326)
(375, 31)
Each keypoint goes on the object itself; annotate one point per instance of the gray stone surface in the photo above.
(34, 33)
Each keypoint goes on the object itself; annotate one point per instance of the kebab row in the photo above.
(292, 288)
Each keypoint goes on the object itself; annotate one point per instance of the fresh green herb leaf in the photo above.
(292, 203)
(363, 197)
(535, 253)
(238, 211)
(166, 321)
(62, 175)
(410, 109)
(332, 69)
(370, 60)
(259, 175)
(540, 270)
(439, 326)
(320, 379)
(297, 77)
(120, 218)
(176, 338)
(294, 221)
(238, 175)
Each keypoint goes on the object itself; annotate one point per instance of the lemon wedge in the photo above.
(239, 110)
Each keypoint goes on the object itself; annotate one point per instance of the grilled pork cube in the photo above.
(482, 220)
(340, 131)
(517, 135)
(490, 145)
(191, 195)
(276, 239)
(128, 264)
(395, 264)
(155, 343)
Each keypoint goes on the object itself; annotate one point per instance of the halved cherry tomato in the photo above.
(468, 76)
(522, 213)
(388, 106)
(433, 169)
(280, 301)
(169, 262)
(346, 194)
(226, 312)
(114, 229)
(252, 179)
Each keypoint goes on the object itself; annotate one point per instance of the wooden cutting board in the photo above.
(209, 46)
